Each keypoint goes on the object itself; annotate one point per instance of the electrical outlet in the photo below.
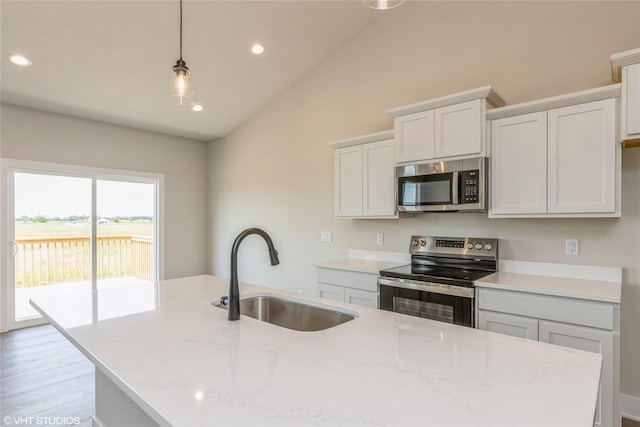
(571, 247)
(326, 236)
(380, 238)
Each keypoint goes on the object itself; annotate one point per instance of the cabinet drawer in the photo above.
(349, 279)
(568, 310)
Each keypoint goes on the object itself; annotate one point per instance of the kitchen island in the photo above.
(165, 356)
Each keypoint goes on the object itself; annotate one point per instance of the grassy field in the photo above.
(68, 229)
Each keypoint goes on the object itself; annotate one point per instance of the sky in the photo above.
(57, 196)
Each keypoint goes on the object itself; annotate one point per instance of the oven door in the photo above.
(445, 303)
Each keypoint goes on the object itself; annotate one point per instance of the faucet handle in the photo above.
(224, 301)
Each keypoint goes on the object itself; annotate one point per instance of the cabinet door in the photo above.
(630, 119)
(458, 129)
(519, 164)
(506, 324)
(414, 136)
(332, 292)
(582, 158)
(379, 179)
(595, 341)
(363, 298)
(348, 181)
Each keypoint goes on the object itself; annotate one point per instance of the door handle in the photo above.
(14, 248)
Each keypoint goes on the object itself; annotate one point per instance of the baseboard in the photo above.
(630, 407)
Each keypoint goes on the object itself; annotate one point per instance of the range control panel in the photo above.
(461, 246)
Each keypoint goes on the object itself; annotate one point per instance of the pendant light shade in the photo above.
(181, 90)
(383, 4)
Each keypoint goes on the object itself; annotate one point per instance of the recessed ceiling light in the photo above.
(257, 49)
(19, 60)
(197, 107)
(383, 4)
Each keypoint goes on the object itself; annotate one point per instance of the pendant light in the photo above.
(181, 90)
(383, 4)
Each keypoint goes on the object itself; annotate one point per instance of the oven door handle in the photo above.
(436, 288)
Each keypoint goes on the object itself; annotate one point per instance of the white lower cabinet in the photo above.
(506, 324)
(331, 292)
(581, 324)
(359, 297)
(348, 286)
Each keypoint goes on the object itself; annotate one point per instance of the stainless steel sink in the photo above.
(292, 314)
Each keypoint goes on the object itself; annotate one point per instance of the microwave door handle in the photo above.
(455, 188)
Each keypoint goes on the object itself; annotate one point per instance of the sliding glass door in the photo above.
(125, 231)
(76, 229)
(51, 246)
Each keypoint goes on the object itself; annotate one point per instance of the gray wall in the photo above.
(45, 137)
(276, 171)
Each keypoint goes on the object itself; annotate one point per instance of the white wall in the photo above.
(40, 136)
(276, 171)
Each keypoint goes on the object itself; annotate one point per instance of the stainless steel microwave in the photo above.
(452, 186)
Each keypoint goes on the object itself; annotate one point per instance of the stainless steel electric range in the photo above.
(438, 284)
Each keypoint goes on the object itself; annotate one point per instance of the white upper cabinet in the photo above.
(451, 127)
(625, 67)
(348, 181)
(519, 164)
(557, 162)
(378, 187)
(365, 177)
(415, 136)
(459, 129)
(582, 158)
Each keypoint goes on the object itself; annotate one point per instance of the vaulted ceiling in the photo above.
(111, 60)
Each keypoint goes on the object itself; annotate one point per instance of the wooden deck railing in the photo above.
(67, 259)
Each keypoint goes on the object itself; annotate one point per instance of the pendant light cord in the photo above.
(180, 29)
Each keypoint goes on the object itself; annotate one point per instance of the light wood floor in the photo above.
(43, 375)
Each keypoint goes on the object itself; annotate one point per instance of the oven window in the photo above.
(429, 305)
(426, 190)
(428, 310)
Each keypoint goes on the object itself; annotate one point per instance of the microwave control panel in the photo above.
(470, 186)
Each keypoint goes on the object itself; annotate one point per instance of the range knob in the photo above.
(488, 247)
(479, 246)
(423, 242)
(469, 245)
(414, 243)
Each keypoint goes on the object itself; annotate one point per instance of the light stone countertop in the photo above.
(571, 281)
(185, 364)
(556, 286)
(359, 265)
(365, 261)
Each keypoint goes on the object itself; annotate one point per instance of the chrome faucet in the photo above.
(234, 293)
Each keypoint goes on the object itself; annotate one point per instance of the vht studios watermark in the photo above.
(40, 421)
